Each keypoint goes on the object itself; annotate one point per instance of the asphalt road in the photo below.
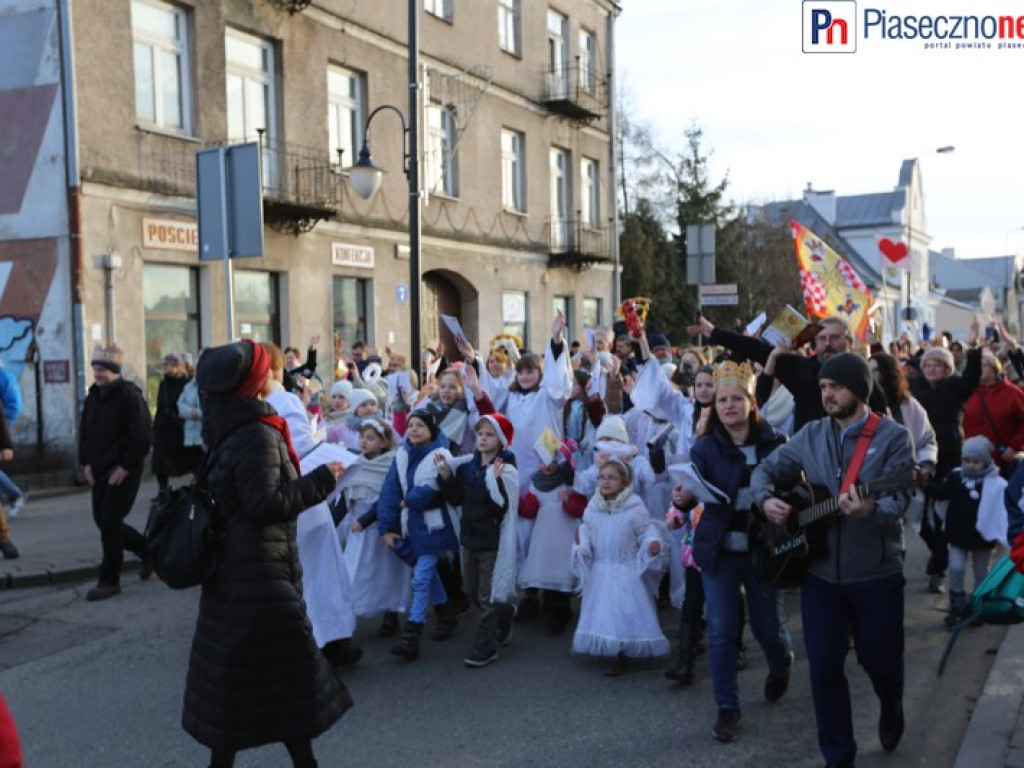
(100, 684)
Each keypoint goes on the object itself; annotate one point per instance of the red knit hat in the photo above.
(502, 426)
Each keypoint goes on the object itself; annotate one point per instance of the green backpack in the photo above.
(999, 599)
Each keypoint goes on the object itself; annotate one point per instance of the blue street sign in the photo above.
(402, 293)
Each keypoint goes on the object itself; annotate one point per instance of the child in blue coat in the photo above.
(411, 508)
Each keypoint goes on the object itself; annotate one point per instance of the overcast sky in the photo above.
(778, 119)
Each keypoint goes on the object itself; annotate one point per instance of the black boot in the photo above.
(505, 618)
(342, 653)
(957, 605)
(682, 670)
(447, 620)
(557, 612)
(408, 645)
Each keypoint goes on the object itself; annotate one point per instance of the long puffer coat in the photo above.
(255, 674)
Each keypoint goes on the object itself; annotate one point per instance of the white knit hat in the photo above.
(358, 397)
(343, 388)
(613, 428)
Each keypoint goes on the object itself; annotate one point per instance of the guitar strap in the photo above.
(867, 432)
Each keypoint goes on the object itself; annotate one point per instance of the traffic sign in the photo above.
(721, 289)
(720, 301)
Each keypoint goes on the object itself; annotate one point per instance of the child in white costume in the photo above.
(618, 542)
(325, 583)
(380, 580)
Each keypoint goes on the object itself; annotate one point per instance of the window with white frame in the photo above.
(566, 305)
(591, 311)
(251, 98)
(443, 9)
(513, 171)
(590, 200)
(509, 34)
(515, 314)
(346, 113)
(561, 198)
(161, 56)
(588, 61)
(558, 54)
(442, 163)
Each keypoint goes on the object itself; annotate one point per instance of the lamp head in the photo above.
(365, 177)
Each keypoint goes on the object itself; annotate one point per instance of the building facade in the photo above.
(98, 227)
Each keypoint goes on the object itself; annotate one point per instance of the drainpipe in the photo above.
(73, 182)
(613, 239)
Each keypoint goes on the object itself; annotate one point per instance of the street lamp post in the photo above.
(366, 179)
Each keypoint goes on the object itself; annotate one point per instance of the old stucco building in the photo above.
(98, 237)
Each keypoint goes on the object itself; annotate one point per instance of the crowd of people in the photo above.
(628, 473)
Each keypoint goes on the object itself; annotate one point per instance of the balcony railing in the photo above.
(576, 91)
(300, 185)
(576, 243)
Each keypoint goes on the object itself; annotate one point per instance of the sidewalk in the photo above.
(59, 541)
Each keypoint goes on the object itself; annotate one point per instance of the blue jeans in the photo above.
(722, 594)
(873, 610)
(427, 589)
(8, 490)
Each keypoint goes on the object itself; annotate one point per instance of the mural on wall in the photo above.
(27, 268)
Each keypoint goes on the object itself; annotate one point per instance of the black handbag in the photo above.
(182, 532)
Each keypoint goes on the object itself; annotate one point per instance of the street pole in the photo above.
(414, 188)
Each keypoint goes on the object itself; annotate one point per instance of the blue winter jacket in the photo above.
(419, 499)
(723, 465)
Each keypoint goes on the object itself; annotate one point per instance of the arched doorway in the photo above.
(446, 293)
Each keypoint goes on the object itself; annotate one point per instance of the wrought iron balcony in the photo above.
(575, 90)
(300, 185)
(577, 244)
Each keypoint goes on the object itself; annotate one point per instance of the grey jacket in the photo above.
(858, 550)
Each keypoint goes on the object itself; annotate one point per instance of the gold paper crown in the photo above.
(728, 374)
(642, 304)
(111, 354)
(498, 349)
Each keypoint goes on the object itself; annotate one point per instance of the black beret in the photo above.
(221, 370)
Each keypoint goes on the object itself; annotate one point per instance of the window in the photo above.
(346, 113)
(350, 325)
(160, 40)
(442, 167)
(588, 61)
(565, 305)
(170, 299)
(509, 34)
(515, 315)
(252, 100)
(590, 190)
(443, 9)
(513, 171)
(591, 313)
(561, 197)
(257, 316)
(558, 55)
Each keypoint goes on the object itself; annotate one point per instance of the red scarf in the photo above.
(278, 423)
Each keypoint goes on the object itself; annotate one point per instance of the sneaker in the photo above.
(10, 551)
(102, 592)
(890, 725)
(15, 509)
(727, 726)
(775, 686)
(484, 652)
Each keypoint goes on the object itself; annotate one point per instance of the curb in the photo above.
(991, 728)
(57, 576)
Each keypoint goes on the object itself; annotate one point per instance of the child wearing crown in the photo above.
(735, 440)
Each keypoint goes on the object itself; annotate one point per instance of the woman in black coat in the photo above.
(255, 673)
(170, 456)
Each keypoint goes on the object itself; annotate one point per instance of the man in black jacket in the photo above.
(795, 372)
(114, 438)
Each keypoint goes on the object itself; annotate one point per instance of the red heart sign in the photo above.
(894, 252)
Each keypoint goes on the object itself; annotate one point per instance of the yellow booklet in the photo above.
(790, 326)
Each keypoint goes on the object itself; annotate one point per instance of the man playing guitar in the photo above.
(856, 584)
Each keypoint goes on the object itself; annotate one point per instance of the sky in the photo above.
(776, 118)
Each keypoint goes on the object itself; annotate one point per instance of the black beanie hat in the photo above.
(429, 418)
(222, 369)
(849, 370)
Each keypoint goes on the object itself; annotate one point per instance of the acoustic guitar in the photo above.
(781, 552)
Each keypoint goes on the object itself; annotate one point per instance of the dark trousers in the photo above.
(300, 751)
(873, 611)
(934, 537)
(110, 506)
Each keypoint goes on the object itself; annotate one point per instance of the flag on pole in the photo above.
(829, 284)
